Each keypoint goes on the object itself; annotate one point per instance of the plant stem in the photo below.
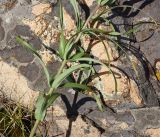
(61, 68)
(86, 23)
(90, 16)
(52, 89)
(34, 128)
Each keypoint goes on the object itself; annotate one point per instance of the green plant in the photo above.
(72, 52)
(15, 120)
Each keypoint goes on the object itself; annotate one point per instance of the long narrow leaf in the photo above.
(103, 2)
(98, 101)
(76, 85)
(62, 42)
(35, 53)
(76, 9)
(99, 62)
(52, 98)
(66, 73)
(40, 111)
(61, 14)
(128, 57)
(77, 56)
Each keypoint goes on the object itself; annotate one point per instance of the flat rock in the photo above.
(146, 118)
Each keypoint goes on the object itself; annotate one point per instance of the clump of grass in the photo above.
(15, 120)
(71, 51)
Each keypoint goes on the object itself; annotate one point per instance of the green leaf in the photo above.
(77, 13)
(66, 73)
(27, 45)
(62, 42)
(43, 102)
(99, 62)
(61, 14)
(78, 50)
(98, 101)
(90, 30)
(128, 57)
(99, 2)
(35, 53)
(68, 48)
(40, 111)
(99, 31)
(114, 33)
(52, 98)
(77, 56)
(111, 2)
(75, 6)
(133, 30)
(76, 85)
(103, 2)
(70, 45)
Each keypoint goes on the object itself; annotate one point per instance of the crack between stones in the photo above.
(94, 124)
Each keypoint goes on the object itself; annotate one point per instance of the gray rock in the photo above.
(31, 71)
(13, 48)
(123, 133)
(22, 54)
(145, 49)
(2, 31)
(146, 118)
(41, 83)
(19, 30)
(126, 117)
(53, 67)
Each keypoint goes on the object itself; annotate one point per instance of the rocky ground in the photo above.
(133, 113)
